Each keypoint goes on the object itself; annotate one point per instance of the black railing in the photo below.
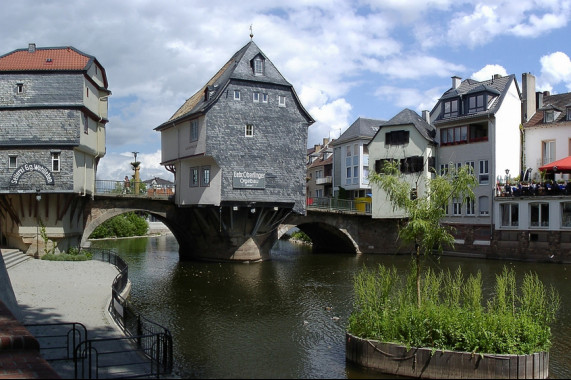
(150, 338)
(58, 339)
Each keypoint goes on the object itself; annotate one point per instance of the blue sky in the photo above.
(346, 59)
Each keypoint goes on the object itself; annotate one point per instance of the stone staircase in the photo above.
(13, 257)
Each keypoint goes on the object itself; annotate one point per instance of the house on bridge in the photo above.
(238, 147)
(53, 113)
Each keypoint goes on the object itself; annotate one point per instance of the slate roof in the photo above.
(558, 102)
(497, 85)
(48, 59)
(361, 128)
(237, 68)
(408, 117)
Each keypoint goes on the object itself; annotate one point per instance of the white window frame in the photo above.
(258, 66)
(249, 130)
(456, 207)
(484, 205)
(548, 116)
(483, 172)
(194, 180)
(56, 161)
(281, 100)
(507, 213)
(265, 98)
(547, 151)
(470, 207)
(542, 207)
(236, 94)
(256, 97)
(12, 161)
(205, 176)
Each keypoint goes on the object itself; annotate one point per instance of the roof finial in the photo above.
(251, 32)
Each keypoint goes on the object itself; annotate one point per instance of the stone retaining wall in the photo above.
(421, 362)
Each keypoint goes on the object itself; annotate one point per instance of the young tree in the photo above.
(422, 225)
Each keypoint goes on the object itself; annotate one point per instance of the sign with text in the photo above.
(27, 168)
(248, 180)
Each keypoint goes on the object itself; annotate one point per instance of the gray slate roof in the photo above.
(497, 86)
(408, 117)
(237, 68)
(361, 128)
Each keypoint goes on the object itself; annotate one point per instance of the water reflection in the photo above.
(284, 318)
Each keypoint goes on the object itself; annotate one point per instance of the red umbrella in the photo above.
(560, 166)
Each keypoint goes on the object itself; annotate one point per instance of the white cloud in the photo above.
(487, 72)
(555, 69)
(331, 118)
(115, 166)
(412, 98)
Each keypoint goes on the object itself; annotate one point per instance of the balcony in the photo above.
(323, 180)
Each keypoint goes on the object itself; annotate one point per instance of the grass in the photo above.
(453, 314)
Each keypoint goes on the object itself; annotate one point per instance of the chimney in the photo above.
(539, 99)
(546, 93)
(31, 48)
(529, 105)
(497, 76)
(426, 116)
(325, 141)
(456, 81)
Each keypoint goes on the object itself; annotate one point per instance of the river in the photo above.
(285, 317)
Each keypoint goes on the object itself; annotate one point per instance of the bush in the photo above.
(124, 225)
(452, 317)
(301, 236)
(73, 254)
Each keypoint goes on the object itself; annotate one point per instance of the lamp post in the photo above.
(136, 169)
(38, 198)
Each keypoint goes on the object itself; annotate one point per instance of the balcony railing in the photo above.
(323, 180)
(133, 189)
(339, 205)
(534, 189)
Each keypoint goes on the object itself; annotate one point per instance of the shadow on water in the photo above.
(286, 317)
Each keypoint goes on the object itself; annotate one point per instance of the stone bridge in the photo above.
(206, 232)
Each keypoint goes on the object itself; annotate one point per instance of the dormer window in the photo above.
(450, 108)
(548, 116)
(258, 66)
(568, 113)
(476, 103)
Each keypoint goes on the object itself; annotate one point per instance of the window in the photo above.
(548, 116)
(205, 176)
(566, 214)
(397, 138)
(193, 177)
(348, 180)
(568, 113)
(281, 100)
(348, 149)
(12, 162)
(413, 164)
(443, 169)
(20, 88)
(85, 124)
(55, 161)
(193, 130)
(87, 92)
(478, 132)
(539, 214)
(249, 130)
(476, 103)
(471, 165)
(258, 66)
(450, 108)
(365, 175)
(547, 152)
(484, 205)
(456, 207)
(236, 94)
(483, 176)
(509, 214)
(469, 206)
(256, 97)
(318, 174)
(264, 98)
(319, 193)
(455, 135)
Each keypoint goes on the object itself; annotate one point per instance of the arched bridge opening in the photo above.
(326, 238)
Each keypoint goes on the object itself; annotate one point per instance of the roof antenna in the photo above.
(251, 32)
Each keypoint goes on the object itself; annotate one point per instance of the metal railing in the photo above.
(144, 336)
(58, 339)
(339, 205)
(133, 189)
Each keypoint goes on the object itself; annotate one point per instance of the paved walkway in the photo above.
(50, 291)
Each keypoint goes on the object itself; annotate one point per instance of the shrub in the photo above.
(124, 225)
(514, 321)
(73, 254)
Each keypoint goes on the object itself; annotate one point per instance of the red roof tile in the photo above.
(48, 59)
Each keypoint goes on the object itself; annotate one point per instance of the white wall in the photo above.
(560, 132)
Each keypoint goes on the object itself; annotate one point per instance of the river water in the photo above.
(286, 317)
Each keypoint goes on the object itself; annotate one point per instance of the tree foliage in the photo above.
(124, 225)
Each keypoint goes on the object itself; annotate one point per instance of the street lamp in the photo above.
(38, 198)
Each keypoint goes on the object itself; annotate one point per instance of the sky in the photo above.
(345, 59)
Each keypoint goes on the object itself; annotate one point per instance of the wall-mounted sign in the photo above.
(248, 180)
(27, 168)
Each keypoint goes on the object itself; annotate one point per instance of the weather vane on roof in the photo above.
(251, 32)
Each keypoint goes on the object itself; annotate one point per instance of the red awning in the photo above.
(560, 166)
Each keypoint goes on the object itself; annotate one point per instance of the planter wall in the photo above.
(420, 362)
